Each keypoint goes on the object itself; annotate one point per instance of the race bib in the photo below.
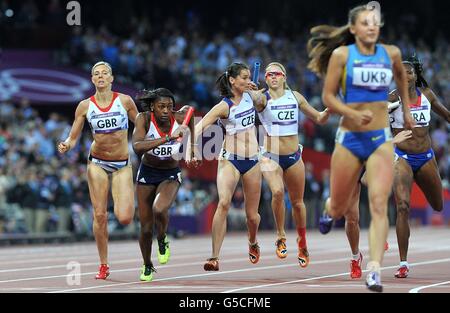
(372, 76)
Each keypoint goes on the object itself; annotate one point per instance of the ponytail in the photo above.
(325, 39)
(223, 82)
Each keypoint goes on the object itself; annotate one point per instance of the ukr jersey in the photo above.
(366, 78)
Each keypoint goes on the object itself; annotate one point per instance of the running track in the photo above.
(44, 269)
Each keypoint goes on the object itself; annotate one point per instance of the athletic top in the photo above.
(366, 78)
(241, 116)
(109, 119)
(168, 149)
(420, 111)
(280, 116)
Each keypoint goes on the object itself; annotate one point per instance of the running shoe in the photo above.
(386, 246)
(147, 273)
(163, 250)
(325, 223)
(212, 264)
(355, 267)
(253, 253)
(103, 272)
(402, 272)
(303, 257)
(373, 282)
(281, 248)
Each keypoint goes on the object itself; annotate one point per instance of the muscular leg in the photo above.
(145, 197)
(294, 177)
(352, 221)
(227, 179)
(166, 194)
(98, 182)
(123, 195)
(429, 180)
(273, 174)
(403, 181)
(342, 180)
(380, 175)
(251, 183)
(295, 182)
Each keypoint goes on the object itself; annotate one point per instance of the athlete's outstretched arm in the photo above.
(402, 84)
(180, 115)
(77, 127)
(402, 136)
(220, 110)
(304, 106)
(436, 105)
(258, 97)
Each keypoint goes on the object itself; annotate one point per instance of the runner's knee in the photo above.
(253, 218)
(403, 208)
(278, 195)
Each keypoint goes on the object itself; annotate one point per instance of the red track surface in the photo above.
(44, 268)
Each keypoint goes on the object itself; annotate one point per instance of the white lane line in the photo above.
(203, 275)
(51, 267)
(166, 266)
(115, 271)
(138, 268)
(328, 276)
(416, 290)
(138, 260)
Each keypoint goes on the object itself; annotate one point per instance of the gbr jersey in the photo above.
(420, 111)
(168, 149)
(107, 120)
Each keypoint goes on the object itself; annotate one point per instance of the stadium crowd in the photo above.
(43, 192)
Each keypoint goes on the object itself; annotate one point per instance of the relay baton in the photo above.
(186, 120)
(256, 68)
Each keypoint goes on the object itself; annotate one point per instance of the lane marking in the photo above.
(329, 276)
(416, 290)
(202, 275)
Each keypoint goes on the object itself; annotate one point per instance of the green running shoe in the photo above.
(147, 273)
(163, 250)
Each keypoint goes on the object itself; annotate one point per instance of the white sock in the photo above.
(355, 257)
(404, 263)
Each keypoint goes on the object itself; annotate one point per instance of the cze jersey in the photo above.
(241, 116)
(168, 149)
(280, 116)
(107, 120)
(421, 112)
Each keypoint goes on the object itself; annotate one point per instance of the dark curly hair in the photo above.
(147, 97)
(417, 65)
